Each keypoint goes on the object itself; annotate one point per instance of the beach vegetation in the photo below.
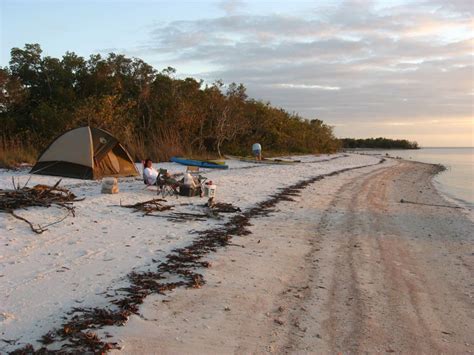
(154, 113)
(378, 143)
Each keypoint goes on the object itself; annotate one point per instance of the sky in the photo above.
(392, 68)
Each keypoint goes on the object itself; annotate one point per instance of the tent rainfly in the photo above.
(85, 153)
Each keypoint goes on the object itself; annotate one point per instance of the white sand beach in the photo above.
(345, 267)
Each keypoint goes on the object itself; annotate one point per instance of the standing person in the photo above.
(150, 174)
(257, 151)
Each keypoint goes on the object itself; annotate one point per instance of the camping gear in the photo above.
(200, 163)
(85, 153)
(209, 189)
(189, 180)
(110, 186)
(196, 174)
(189, 191)
(166, 184)
(191, 185)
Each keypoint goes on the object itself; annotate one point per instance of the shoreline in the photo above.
(275, 296)
(466, 207)
(457, 177)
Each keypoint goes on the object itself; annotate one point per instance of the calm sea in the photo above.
(458, 180)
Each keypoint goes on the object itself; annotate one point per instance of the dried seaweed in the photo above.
(221, 207)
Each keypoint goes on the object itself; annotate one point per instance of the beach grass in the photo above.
(14, 152)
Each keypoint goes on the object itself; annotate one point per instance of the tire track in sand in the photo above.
(385, 291)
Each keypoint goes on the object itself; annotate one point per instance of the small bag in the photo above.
(110, 186)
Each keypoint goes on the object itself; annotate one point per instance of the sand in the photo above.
(344, 268)
(77, 262)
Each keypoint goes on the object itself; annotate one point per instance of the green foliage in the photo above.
(380, 143)
(155, 114)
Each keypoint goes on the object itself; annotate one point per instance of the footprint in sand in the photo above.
(14, 262)
(83, 253)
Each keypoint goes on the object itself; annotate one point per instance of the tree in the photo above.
(154, 112)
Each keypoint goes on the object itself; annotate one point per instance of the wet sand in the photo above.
(345, 268)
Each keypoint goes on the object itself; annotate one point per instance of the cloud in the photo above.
(355, 60)
(305, 86)
(456, 6)
(230, 7)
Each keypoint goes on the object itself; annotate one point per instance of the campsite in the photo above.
(236, 177)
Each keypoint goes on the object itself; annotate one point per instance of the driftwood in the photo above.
(212, 211)
(22, 197)
(428, 204)
(183, 217)
(148, 207)
(155, 205)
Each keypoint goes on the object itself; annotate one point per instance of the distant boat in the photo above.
(199, 163)
(265, 160)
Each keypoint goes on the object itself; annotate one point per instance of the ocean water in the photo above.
(457, 181)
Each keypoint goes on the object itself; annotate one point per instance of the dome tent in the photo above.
(85, 153)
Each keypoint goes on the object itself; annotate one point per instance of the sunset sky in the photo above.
(399, 69)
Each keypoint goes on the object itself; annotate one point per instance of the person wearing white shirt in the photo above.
(257, 151)
(150, 174)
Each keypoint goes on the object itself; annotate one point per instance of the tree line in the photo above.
(154, 113)
(380, 143)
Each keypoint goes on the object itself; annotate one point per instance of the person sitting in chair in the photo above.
(150, 174)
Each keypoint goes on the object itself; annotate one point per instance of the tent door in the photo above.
(109, 165)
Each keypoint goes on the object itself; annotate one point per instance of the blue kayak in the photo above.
(200, 163)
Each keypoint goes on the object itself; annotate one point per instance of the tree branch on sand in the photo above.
(22, 197)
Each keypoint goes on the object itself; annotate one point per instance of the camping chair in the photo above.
(167, 186)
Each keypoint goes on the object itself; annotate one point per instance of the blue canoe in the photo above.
(200, 163)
